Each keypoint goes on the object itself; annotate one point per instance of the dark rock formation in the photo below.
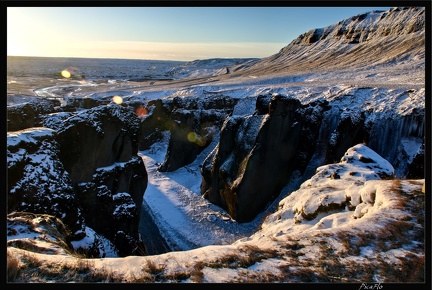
(38, 181)
(98, 148)
(192, 123)
(82, 168)
(156, 120)
(95, 138)
(392, 137)
(86, 102)
(354, 30)
(349, 131)
(30, 114)
(416, 169)
(259, 154)
(111, 203)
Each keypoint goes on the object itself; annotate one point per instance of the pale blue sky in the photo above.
(165, 33)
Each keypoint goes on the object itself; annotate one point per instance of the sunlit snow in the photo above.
(340, 201)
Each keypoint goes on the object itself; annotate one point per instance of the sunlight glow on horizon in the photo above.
(153, 50)
(162, 33)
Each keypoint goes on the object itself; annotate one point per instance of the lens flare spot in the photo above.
(196, 139)
(118, 100)
(141, 112)
(192, 137)
(66, 74)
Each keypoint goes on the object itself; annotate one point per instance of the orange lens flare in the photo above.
(141, 112)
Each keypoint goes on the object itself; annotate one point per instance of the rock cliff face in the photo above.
(192, 123)
(259, 154)
(83, 168)
(38, 181)
(95, 138)
(366, 40)
(30, 114)
(367, 26)
(256, 156)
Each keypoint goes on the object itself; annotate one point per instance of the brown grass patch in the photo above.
(12, 266)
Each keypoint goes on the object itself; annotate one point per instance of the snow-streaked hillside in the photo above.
(208, 67)
(362, 43)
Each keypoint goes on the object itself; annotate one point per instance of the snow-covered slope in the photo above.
(208, 67)
(345, 224)
(369, 41)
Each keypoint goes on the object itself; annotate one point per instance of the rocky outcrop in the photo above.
(98, 148)
(82, 168)
(327, 189)
(86, 102)
(30, 114)
(44, 228)
(416, 168)
(38, 181)
(111, 203)
(364, 27)
(350, 130)
(192, 123)
(95, 138)
(47, 234)
(259, 154)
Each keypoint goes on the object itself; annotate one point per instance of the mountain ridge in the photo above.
(319, 49)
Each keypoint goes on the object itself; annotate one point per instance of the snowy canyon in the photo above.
(321, 143)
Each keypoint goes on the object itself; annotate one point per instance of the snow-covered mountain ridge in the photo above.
(368, 41)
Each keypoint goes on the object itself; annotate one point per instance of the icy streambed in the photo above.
(185, 219)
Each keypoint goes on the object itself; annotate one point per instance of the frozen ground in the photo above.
(362, 237)
(332, 230)
(392, 92)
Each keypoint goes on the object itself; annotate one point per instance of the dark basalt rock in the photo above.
(30, 114)
(38, 181)
(98, 148)
(396, 131)
(256, 156)
(190, 134)
(87, 102)
(192, 123)
(82, 168)
(155, 121)
(349, 131)
(282, 141)
(416, 168)
(112, 201)
(95, 138)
